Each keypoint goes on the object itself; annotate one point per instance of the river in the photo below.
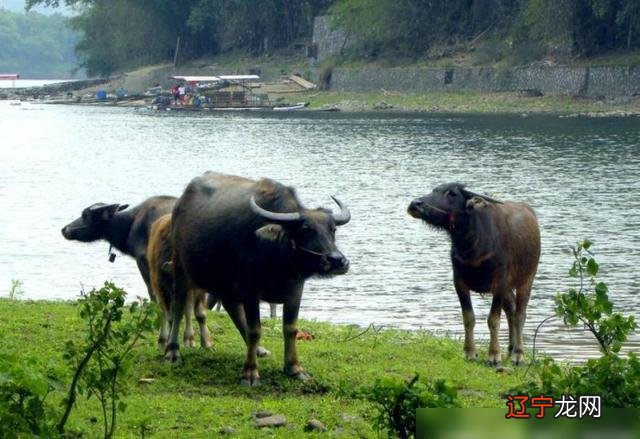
(581, 175)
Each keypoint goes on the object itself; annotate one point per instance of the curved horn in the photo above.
(273, 216)
(484, 197)
(344, 216)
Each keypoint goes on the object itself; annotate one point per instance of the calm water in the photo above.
(582, 176)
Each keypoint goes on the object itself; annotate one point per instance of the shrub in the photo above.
(102, 361)
(99, 366)
(324, 74)
(614, 378)
(23, 394)
(397, 400)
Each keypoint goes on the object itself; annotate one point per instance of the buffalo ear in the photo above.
(111, 209)
(272, 232)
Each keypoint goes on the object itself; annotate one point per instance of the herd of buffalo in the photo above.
(238, 241)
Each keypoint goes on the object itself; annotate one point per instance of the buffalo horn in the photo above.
(484, 197)
(102, 206)
(273, 216)
(344, 216)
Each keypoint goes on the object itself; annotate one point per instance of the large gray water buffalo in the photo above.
(495, 247)
(127, 230)
(245, 241)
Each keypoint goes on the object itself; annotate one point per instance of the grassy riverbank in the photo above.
(202, 395)
(468, 102)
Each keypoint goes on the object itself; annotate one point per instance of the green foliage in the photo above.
(397, 401)
(584, 27)
(36, 45)
(614, 378)
(103, 359)
(410, 27)
(123, 34)
(255, 27)
(589, 303)
(100, 365)
(23, 394)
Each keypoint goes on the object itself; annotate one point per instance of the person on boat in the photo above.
(176, 94)
(181, 93)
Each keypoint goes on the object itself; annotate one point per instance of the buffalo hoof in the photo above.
(188, 342)
(206, 344)
(250, 378)
(172, 356)
(296, 371)
(250, 383)
(301, 376)
(262, 352)
(471, 355)
(495, 360)
(517, 358)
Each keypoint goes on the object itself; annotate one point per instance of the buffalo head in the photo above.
(440, 207)
(92, 224)
(310, 233)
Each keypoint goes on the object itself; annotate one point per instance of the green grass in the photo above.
(465, 102)
(200, 396)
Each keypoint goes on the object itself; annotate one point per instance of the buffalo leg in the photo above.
(143, 266)
(522, 299)
(188, 319)
(494, 330)
(468, 319)
(200, 311)
(509, 307)
(239, 319)
(250, 373)
(273, 310)
(292, 365)
(180, 292)
(165, 329)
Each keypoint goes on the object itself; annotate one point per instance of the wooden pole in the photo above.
(175, 56)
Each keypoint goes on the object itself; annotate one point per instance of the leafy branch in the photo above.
(590, 305)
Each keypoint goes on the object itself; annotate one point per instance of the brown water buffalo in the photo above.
(246, 241)
(126, 230)
(495, 247)
(159, 256)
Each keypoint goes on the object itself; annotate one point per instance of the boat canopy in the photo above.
(214, 78)
(9, 76)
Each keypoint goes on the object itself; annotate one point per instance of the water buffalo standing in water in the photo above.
(245, 241)
(495, 247)
(126, 230)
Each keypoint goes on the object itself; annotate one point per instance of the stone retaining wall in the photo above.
(583, 81)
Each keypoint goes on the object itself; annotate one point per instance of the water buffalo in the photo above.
(126, 230)
(246, 241)
(495, 247)
(159, 256)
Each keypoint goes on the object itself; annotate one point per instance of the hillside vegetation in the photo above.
(36, 45)
(123, 34)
